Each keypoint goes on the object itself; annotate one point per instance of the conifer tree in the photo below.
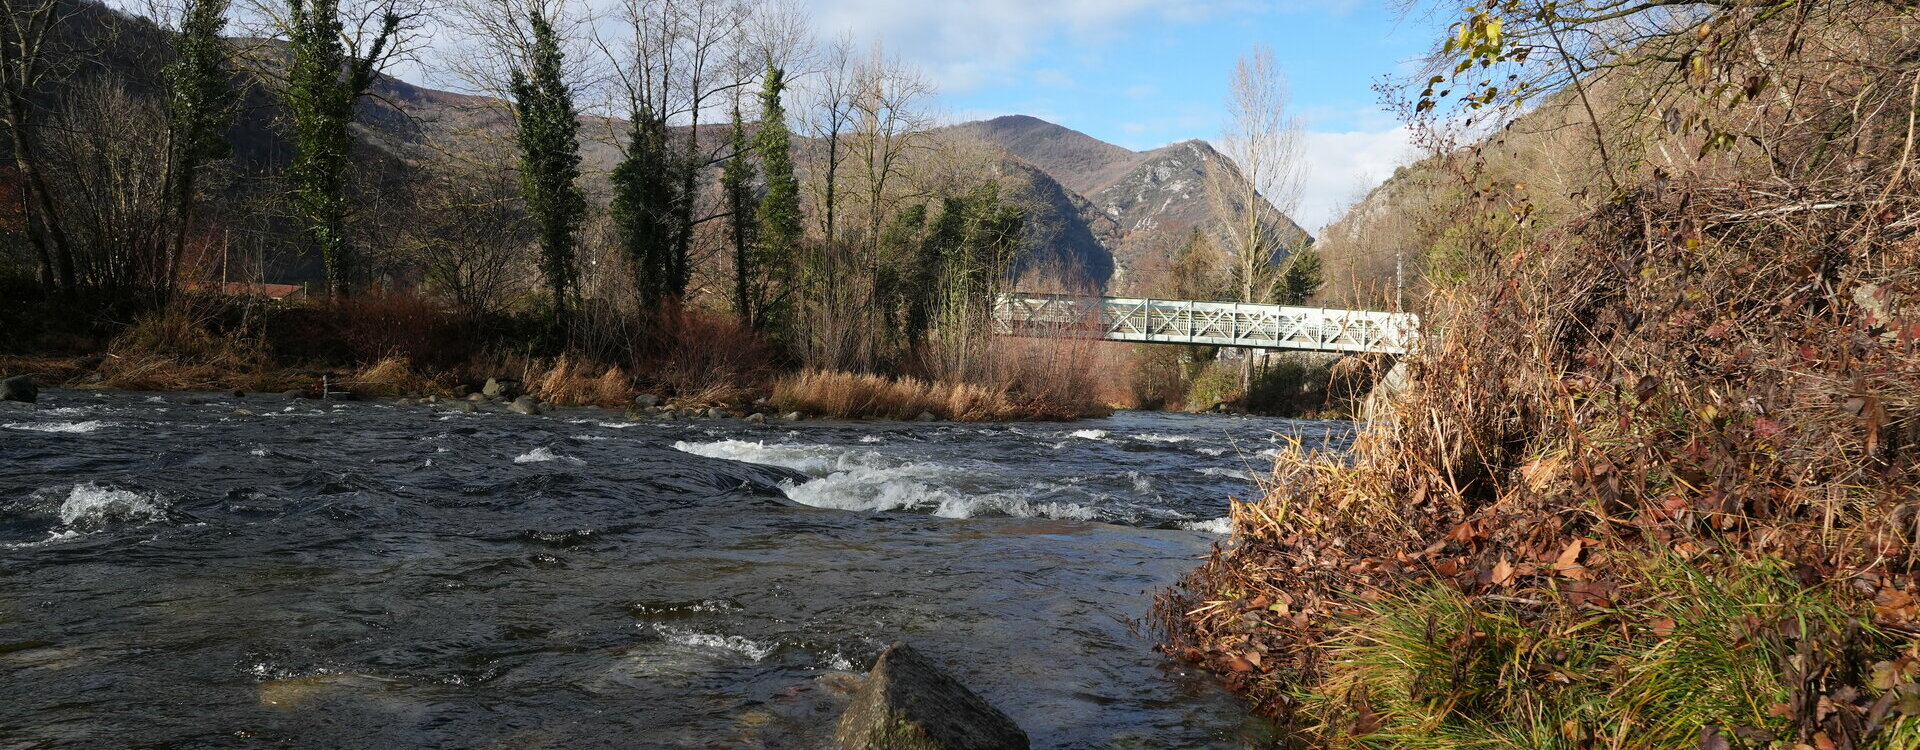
(550, 164)
(323, 83)
(1301, 278)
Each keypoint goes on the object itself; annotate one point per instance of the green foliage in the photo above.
(1213, 383)
(749, 273)
(1433, 668)
(781, 228)
(647, 195)
(200, 107)
(323, 82)
(550, 164)
(1301, 279)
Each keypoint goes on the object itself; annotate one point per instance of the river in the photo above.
(195, 571)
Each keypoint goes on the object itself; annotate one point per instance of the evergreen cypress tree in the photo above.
(550, 164)
(200, 107)
(323, 83)
(749, 274)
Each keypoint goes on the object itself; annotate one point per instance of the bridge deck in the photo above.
(1163, 321)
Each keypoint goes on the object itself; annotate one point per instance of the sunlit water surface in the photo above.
(177, 574)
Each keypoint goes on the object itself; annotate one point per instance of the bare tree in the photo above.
(1262, 139)
(32, 55)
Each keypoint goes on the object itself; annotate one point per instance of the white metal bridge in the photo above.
(1169, 321)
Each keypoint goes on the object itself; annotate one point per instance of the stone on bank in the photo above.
(908, 703)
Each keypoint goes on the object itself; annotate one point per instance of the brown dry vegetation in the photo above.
(1652, 484)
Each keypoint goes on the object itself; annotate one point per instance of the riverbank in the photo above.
(1664, 501)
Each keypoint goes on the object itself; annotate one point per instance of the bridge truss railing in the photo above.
(1206, 323)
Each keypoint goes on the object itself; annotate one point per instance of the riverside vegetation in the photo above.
(711, 270)
(826, 230)
(1652, 481)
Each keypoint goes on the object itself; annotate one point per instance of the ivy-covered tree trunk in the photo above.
(550, 165)
(645, 210)
(780, 220)
(749, 275)
(323, 83)
(200, 107)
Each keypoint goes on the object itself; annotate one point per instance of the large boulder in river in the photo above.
(20, 388)
(504, 389)
(908, 703)
(524, 405)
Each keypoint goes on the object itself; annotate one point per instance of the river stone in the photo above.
(926, 416)
(794, 416)
(524, 405)
(474, 398)
(20, 388)
(757, 419)
(719, 413)
(466, 406)
(504, 389)
(908, 703)
(646, 400)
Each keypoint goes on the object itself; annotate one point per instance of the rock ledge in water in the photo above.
(20, 388)
(907, 703)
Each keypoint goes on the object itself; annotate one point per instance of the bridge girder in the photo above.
(1191, 322)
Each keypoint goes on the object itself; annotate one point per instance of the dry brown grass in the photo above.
(570, 382)
(857, 396)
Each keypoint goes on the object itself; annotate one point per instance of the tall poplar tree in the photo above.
(550, 164)
(323, 83)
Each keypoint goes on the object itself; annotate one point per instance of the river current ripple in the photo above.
(193, 571)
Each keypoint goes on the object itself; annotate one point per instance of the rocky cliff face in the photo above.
(1138, 206)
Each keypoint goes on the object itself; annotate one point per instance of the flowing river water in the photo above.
(195, 571)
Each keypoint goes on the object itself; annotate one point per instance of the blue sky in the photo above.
(1143, 74)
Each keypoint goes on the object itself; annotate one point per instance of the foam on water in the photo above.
(1153, 438)
(1217, 471)
(867, 481)
(67, 427)
(541, 454)
(1089, 434)
(711, 642)
(89, 505)
(1221, 526)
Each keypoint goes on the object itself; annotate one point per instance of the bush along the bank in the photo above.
(1652, 481)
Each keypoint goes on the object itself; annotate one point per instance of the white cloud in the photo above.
(964, 46)
(1342, 166)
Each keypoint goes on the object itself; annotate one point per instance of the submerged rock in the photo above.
(757, 419)
(525, 405)
(646, 400)
(20, 388)
(908, 703)
(926, 416)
